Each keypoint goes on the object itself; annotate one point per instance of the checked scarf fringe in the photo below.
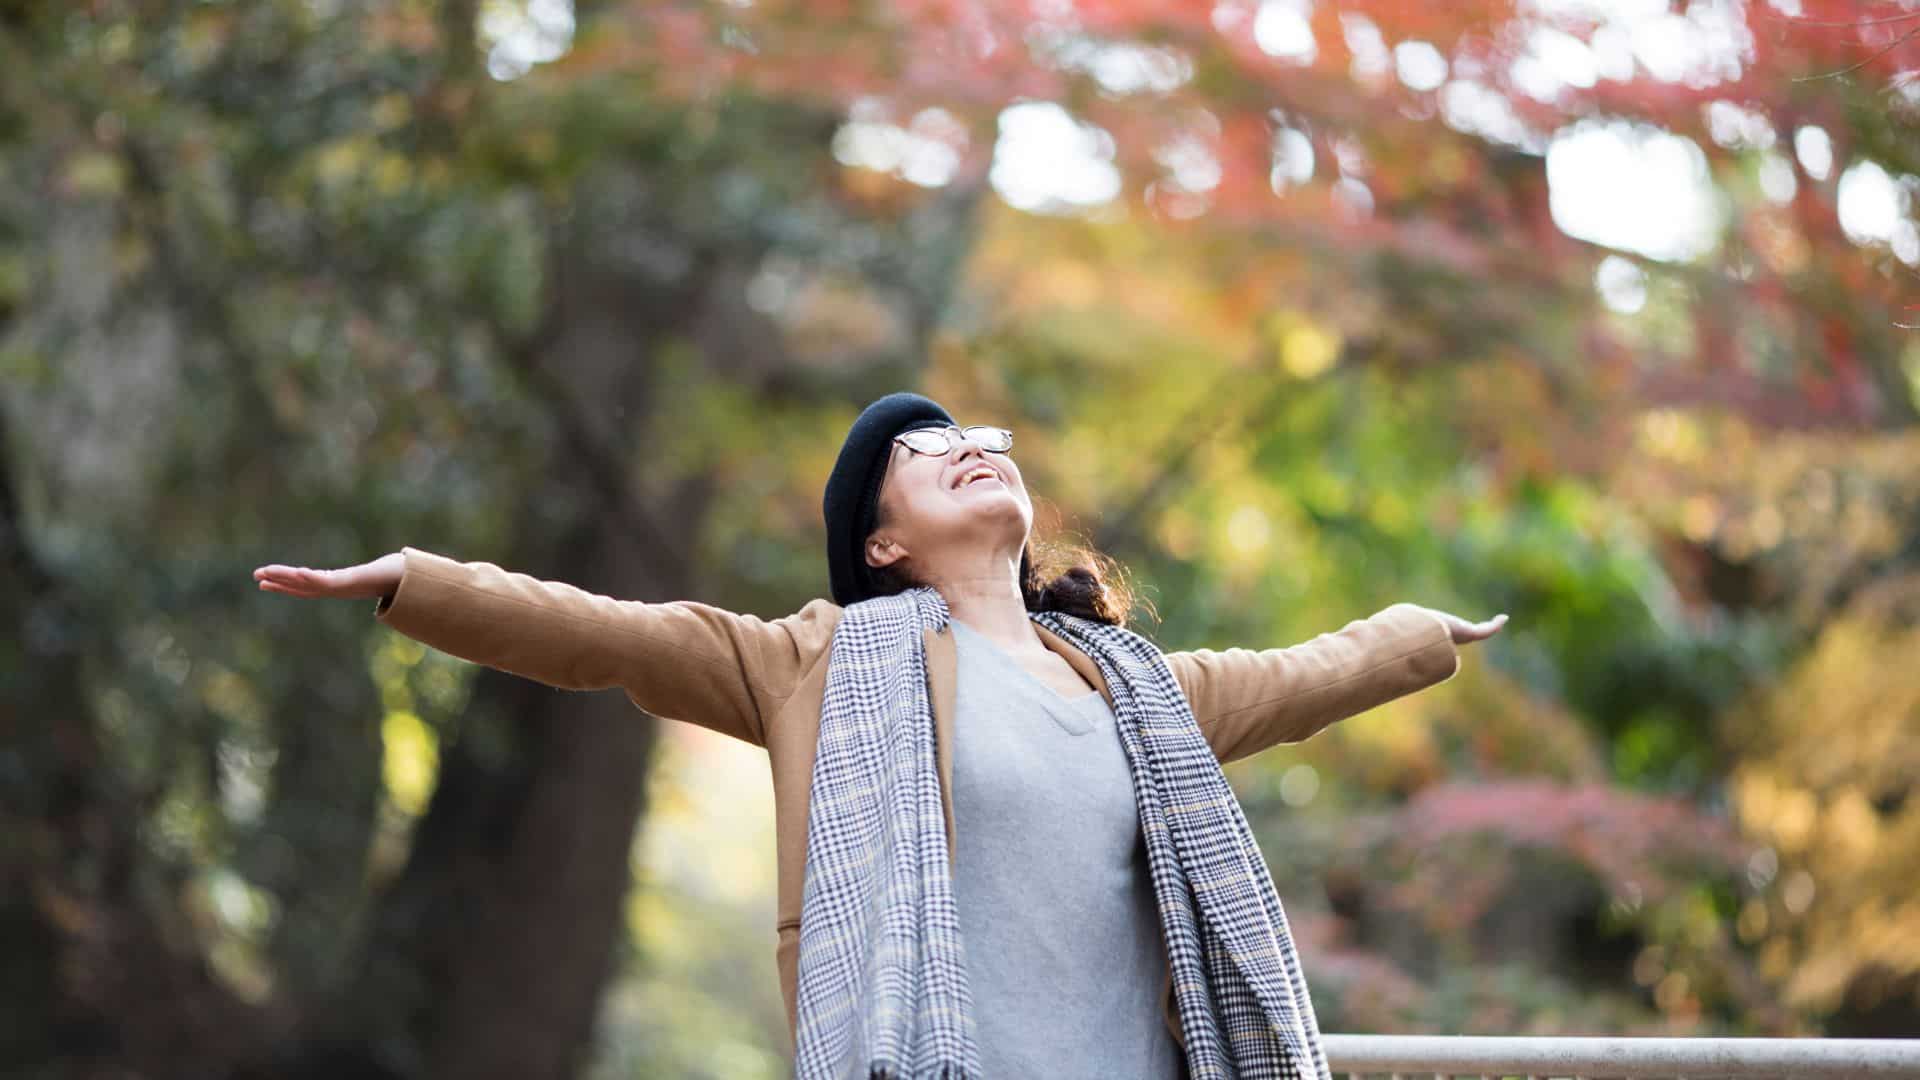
(882, 975)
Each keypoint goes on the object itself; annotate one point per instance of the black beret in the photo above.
(853, 488)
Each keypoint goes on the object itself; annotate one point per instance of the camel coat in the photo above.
(762, 680)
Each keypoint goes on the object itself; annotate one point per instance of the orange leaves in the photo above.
(1410, 133)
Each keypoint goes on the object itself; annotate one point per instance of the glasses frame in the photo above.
(969, 432)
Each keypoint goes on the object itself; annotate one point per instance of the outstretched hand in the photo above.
(367, 581)
(1463, 631)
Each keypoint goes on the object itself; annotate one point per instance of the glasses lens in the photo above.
(940, 440)
(926, 441)
(990, 438)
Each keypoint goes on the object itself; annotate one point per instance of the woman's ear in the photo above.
(882, 552)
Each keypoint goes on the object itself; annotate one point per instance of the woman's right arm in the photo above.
(681, 660)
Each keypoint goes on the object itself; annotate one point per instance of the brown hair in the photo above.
(1077, 580)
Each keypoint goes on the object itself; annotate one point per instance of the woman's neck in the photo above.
(988, 600)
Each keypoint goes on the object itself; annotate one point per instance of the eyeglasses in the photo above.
(941, 440)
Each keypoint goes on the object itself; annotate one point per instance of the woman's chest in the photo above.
(1035, 769)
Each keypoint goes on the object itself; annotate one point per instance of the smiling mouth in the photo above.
(978, 474)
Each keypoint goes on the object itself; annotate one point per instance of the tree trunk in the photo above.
(91, 976)
(489, 952)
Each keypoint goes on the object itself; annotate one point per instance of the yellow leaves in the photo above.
(1785, 814)
(411, 761)
(229, 696)
(1391, 748)
(360, 159)
(115, 43)
(1886, 930)
(655, 926)
(202, 37)
(1390, 512)
(405, 650)
(1251, 531)
(1126, 277)
(1306, 349)
(1248, 532)
(1064, 283)
(1849, 828)
(1797, 891)
(1699, 517)
(392, 174)
(1507, 729)
(93, 174)
(1179, 533)
(709, 830)
(342, 159)
(1448, 165)
(1672, 435)
(1670, 993)
(1811, 511)
(1841, 821)
(391, 111)
(1831, 753)
(1326, 491)
(540, 145)
(1766, 527)
(1776, 959)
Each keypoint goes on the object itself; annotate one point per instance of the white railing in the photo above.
(1407, 1056)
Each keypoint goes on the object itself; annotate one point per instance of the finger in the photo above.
(305, 578)
(1490, 627)
(280, 570)
(304, 594)
(283, 576)
(302, 579)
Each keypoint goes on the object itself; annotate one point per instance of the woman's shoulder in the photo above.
(817, 617)
(807, 631)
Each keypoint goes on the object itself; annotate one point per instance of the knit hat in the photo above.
(853, 488)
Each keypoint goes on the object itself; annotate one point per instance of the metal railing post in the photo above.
(1541, 1058)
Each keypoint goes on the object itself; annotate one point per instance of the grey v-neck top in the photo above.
(1057, 915)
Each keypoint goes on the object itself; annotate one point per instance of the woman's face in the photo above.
(935, 505)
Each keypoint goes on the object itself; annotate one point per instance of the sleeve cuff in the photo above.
(411, 603)
(1437, 658)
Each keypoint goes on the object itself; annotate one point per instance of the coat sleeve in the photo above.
(680, 660)
(1247, 700)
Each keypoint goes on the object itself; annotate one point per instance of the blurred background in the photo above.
(1597, 313)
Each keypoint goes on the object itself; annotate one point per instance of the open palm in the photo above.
(366, 581)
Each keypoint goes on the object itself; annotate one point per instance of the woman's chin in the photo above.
(1000, 510)
(996, 499)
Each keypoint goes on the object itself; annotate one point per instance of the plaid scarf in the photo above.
(882, 982)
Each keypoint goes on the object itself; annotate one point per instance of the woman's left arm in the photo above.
(1247, 700)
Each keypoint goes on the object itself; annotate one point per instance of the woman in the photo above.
(1001, 814)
